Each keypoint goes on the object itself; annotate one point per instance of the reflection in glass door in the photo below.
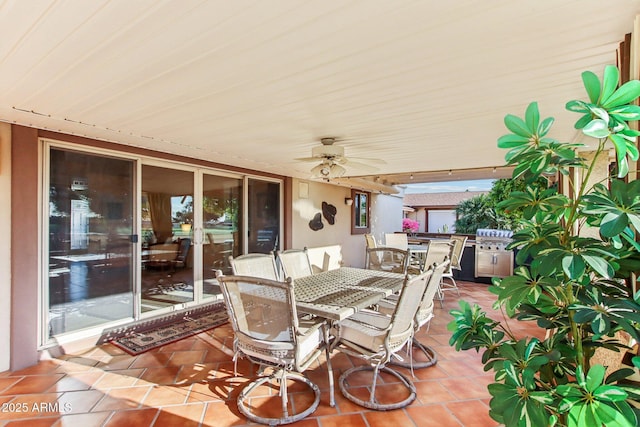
(263, 216)
(222, 228)
(167, 238)
(90, 224)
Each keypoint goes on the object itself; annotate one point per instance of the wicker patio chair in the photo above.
(396, 240)
(439, 251)
(401, 241)
(268, 332)
(387, 259)
(459, 243)
(370, 241)
(255, 265)
(376, 337)
(325, 258)
(422, 318)
(295, 263)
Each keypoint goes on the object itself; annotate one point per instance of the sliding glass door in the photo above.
(130, 238)
(263, 216)
(222, 228)
(167, 238)
(90, 246)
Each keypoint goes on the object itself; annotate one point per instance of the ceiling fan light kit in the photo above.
(328, 169)
(332, 158)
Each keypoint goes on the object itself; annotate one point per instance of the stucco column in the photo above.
(5, 245)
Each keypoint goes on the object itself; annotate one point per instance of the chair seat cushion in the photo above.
(279, 348)
(365, 329)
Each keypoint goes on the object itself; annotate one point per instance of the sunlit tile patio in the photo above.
(191, 383)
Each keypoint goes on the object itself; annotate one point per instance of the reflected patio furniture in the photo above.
(268, 332)
(218, 251)
(295, 263)
(422, 318)
(267, 240)
(160, 256)
(376, 337)
(255, 265)
(180, 260)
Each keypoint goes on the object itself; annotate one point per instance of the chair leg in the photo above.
(284, 396)
(327, 349)
(431, 355)
(453, 285)
(440, 295)
(373, 403)
(281, 377)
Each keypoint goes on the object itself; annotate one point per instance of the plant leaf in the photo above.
(609, 82)
(624, 95)
(600, 265)
(516, 125)
(595, 376)
(573, 266)
(620, 145)
(613, 224)
(610, 393)
(545, 126)
(592, 85)
(511, 140)
(532, 117)
(596, 128)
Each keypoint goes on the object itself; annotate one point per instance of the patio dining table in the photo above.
(419, 252)
(337, 294)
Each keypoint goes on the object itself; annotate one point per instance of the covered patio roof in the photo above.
(422, 85)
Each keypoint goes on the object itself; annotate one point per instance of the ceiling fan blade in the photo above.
(358, 165)
(309, 159)
(365, 160)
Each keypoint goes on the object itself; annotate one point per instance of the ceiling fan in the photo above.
(333, 162)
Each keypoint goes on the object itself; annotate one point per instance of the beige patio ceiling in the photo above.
(423, 85)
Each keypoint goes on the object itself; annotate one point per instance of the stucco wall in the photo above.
(305, 208)
(5, 245)
(386, 216)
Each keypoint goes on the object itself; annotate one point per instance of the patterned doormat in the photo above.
(149, 334)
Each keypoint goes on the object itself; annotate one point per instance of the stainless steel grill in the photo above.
(493, 259)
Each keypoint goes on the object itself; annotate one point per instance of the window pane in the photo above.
(360, 214)
(167, 237)
(90, 250)
(264, 216)
(221, 217)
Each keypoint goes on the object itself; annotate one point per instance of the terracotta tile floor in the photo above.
(191, 383)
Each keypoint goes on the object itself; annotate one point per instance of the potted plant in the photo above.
(409, 225)
(576, 286)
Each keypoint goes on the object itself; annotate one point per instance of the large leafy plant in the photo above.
(481, 211)
(576, 286)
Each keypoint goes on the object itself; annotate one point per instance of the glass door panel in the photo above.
(263, 216)
(167, 238)
(90, 274)
(221, 224)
